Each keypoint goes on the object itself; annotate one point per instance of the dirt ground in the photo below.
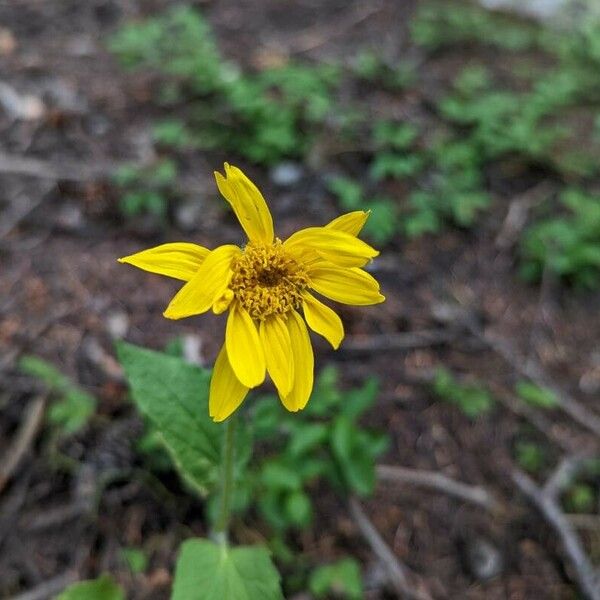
(64, 297)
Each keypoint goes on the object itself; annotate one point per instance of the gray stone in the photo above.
(484, 560)
(286, 174)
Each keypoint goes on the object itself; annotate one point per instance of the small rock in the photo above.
(188, 215)
(286, 174)
(25, 107)
(117, 324)
(70, 218)
(483, 559)
(97, 125)
(192, 349)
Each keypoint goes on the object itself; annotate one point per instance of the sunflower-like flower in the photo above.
(265, 286)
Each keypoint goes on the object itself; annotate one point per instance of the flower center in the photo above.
(267, 281)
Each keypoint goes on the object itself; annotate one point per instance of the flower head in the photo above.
(265, 286)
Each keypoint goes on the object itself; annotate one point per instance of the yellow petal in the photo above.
(278, 353)
(304, 364)
(338, 247)
(247, 203)
(244, 348)
(351, 222)
(199, 293)
(323, 320)
(222, 301)
(180, 260)
(226, 391)
(349, 286)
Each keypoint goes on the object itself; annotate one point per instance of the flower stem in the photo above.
(227, 481)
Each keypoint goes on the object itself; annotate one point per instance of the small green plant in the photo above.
(341, 579)
(135, 558)
(471, 398)
(264, 116)
(567, 244)
(441, 24)
(323, 441)
(530, 456)
(179, 43)
(368, 65)
(535, 395)
(395, 157)
(72, 407)
(580, 498)
(455, 192)
(146, 190)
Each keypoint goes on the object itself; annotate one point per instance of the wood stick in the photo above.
(399, 341)
(397, 573)
(436, 481)
(23, 439)
(550, 510)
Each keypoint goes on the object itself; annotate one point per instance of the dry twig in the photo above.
(314, 37)
(528, 369)
(518, 210)
(23, 439)
(546, 501)
(397, 573)
(399, 341)
(32, 167)
(436, 481)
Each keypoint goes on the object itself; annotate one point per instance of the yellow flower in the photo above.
(264, 286)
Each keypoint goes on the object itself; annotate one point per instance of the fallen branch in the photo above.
(397, 573)
(518, 211)
(75, 171)
(545, 500)
(437, 481)
(536, 418)
(314, 37)
(399, 341)
(528, 369)
(23, 439)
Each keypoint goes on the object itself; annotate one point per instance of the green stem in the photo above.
(227, 481)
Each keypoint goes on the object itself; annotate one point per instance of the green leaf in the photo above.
(348, 192)
(72, 413)
(207, 571)
(279, 476)
(174, 396)
(530, 456)
(473, 399)
(357, 401)
(536, 395)
(307, 438)
(43, 370)
(580, 498)
(340, 579)
(103, 588)
(73, 409)
(135, 558)
(298, 508)
(354, 460)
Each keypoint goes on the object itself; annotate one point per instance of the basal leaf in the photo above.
(174, 396)
(207, 571)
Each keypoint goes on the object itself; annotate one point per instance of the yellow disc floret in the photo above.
(267, 281)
